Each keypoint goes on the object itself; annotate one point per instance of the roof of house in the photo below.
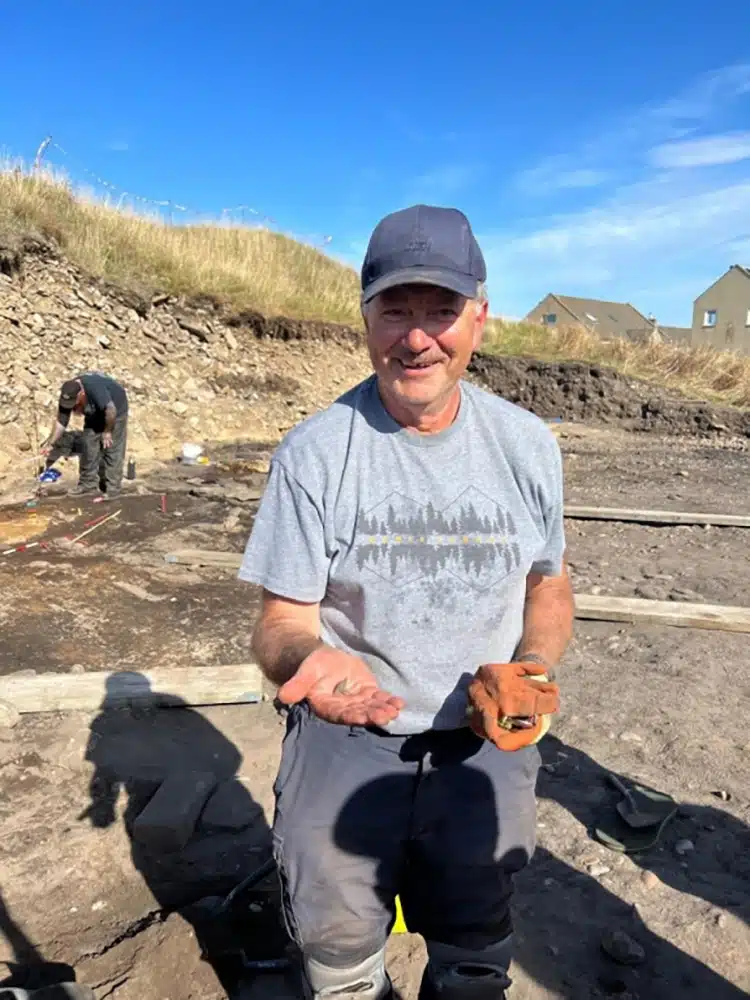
(604, 317)
(675, 332)
(732, 267)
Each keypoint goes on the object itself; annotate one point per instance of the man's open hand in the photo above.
(340, 688)
(107, 439)
(509, 689)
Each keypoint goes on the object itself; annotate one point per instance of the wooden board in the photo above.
(164, 686)
(205, 557)
(655, 516)
(678, 613)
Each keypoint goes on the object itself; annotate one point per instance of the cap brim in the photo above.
(463, 284)
(66, 404)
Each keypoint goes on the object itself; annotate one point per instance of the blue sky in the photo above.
(599, 149)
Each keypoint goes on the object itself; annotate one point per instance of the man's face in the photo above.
(421, 339)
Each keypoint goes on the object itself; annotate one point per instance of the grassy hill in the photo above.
(266, 271)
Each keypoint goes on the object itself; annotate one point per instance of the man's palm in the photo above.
(340, 689)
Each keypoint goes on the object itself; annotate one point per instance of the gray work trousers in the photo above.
(99, 467)
(443, 820)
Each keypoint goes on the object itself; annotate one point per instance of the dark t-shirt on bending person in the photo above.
(101, 390)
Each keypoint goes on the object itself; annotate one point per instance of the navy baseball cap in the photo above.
(424, 244)
(69, 394)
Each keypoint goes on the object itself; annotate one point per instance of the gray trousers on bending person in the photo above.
(99, 467)
(443, 820)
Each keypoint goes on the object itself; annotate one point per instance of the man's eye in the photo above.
(446, 313)
(394, 313)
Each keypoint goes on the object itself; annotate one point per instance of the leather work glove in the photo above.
(508, 703)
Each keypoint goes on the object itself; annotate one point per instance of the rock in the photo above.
(104, 341)
(63, 991)
(168, 821)
(194, 329)
(683, 847)
(229, 808)
(231, 340)
(9, 715)
(597, 869)
(722, 794)
(631, 738)
(650, 880)
(622, 948)
(179, 408)
(651, 592)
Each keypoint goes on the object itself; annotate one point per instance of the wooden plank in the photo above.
(233, 684)
(655, 516)
(205, 557)
(678, 613)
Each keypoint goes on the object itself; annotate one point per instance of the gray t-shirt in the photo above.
(416, 546)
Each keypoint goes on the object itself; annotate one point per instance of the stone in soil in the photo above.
(622, 948)
(9, 715)
(169, 819)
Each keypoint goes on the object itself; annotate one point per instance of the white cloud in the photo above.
(556, 175)
(709, 151)
(118, 145)
(659, 230)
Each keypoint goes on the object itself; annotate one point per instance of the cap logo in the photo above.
(418, 246)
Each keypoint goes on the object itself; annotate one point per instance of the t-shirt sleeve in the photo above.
(549, 559)
(286, 552)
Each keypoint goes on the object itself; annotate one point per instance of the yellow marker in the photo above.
(400, 925)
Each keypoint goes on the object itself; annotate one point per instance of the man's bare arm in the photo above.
(548, 617)
(285, 634)
(110, 416)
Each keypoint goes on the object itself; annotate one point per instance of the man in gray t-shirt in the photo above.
(410, 548)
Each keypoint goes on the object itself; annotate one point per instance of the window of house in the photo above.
(591, 318)
(550, 318)
(709, 317)
(747, 318)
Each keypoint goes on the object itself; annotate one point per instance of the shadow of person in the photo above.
(138, 741)
(28, 969)
(716, 870)
(559, 913)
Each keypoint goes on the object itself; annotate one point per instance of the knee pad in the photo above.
(367, 980)
(467, 974)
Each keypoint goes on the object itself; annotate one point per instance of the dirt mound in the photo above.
(194, 369)
(575, 391)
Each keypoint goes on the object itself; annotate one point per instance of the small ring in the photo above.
(506, 722)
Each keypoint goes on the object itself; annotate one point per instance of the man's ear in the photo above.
(480, 321)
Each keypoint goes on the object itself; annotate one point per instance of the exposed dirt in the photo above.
(573, 390)
(662, 705)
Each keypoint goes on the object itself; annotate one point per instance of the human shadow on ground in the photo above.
(135, 746)
(28, 970)
(559, 912)
(717, 870)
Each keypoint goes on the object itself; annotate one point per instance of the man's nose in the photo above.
(416, 339)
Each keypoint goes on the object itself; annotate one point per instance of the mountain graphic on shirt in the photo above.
(472, 539)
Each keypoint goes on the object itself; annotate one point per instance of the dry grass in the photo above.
(258, 269)
(251, 268)
(695, 372)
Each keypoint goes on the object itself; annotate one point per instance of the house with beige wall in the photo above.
(607, 319)
(721, 315)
